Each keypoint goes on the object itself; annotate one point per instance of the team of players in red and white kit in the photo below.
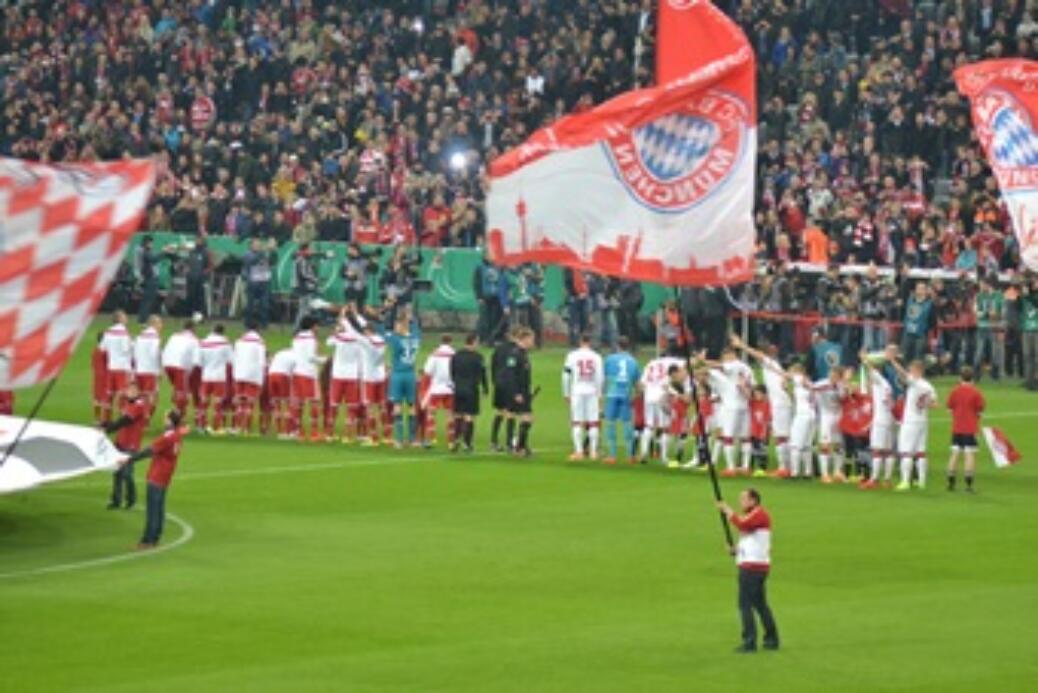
(239, 387)
(805, 420)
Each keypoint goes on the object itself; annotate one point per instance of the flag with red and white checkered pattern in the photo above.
(63, 232)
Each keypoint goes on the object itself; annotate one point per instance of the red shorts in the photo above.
(247, 390)
(304, 388)
(215, 391)
(440, 402)
(178, 379)
(6, 402)
(148, 383)
(678, 418)
(101, 389)
(344, 391)
(279, 386)
(375, 392)
(117, 381)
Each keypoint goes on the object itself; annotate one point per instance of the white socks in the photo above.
(747, 454)
(877, 462)
(578, 440)
(664, 439)
(920, 468)
(729, 456)
(888, 471)
(906, 470)
(592, 434)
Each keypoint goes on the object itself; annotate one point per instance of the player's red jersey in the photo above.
(165, 453)
(129, 437)
(760, 418)
(899, 408)
(856, 414)
(966, 403)
(99, 366)
(638, 411)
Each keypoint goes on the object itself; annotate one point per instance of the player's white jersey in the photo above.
(654, 378)
(803, 397)
(283, 363)
(147, 352)
(775, 384)
(438, 368)
(582, 374)
(215, 354)
(304, 347)
(918, 397)
(374, 370)
(347, 355)
(882, 400)
(741, 377)
(181, 351)
(118, 348)
(829, 398)
(250, 358)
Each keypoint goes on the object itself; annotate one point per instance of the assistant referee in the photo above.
(753, 557)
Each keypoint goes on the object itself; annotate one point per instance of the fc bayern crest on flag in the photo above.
(674, 162)
(1003, 97)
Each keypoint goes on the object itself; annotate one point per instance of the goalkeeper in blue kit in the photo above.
(621, 376)
(403, 343)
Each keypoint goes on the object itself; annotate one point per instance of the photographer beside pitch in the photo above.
(753, 556)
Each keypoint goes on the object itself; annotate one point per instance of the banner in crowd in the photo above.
(63, 232)
(655, 184)
(1003, 96)
(51, 452)
(1002, 451)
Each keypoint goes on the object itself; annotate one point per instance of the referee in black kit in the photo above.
(753, 557)
(469, 376)
(520, 385)
(504, 354)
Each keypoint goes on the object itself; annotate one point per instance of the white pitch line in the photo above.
(187, 533)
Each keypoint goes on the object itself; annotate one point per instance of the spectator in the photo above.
(577, 304)
(306, 282)
(918, 320)
(990, 307)
(258, 269)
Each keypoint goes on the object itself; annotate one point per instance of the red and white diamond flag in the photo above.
(63, 232)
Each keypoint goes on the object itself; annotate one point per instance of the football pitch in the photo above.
(314, 567)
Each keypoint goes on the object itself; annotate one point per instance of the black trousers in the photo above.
(754, 598)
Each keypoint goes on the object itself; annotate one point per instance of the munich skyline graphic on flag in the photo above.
(655, 184)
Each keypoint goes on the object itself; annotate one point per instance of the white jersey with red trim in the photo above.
(438, 368)
(829, 397)
(740, 375)
(775, 384)
(347, 355)
(250, 358)
(283, 363)
(118, 348)
(918, 398)
(181, 351)
(147, 352)
(374, 359)
(882, 399)
(215, 354)
(655, 378)
(304, 347)
(803, 397)
(583, 374)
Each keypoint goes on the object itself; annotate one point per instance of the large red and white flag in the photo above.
(63, 232)
(1002, 451)
(655, 184)
(1003, 95)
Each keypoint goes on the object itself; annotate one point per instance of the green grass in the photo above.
(323, 567)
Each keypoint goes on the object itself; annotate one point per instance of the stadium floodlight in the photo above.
(458, 161)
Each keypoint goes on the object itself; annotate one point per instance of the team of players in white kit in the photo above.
(790, 409)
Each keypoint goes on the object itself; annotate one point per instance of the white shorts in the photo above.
(829, 432)
(657, 415)
(801, 431)
(781, 421)
(735, 423)
(583, 409)
(911, 440)
(881, 437)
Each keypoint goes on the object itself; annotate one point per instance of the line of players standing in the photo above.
(369, 377)
(827, 421)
